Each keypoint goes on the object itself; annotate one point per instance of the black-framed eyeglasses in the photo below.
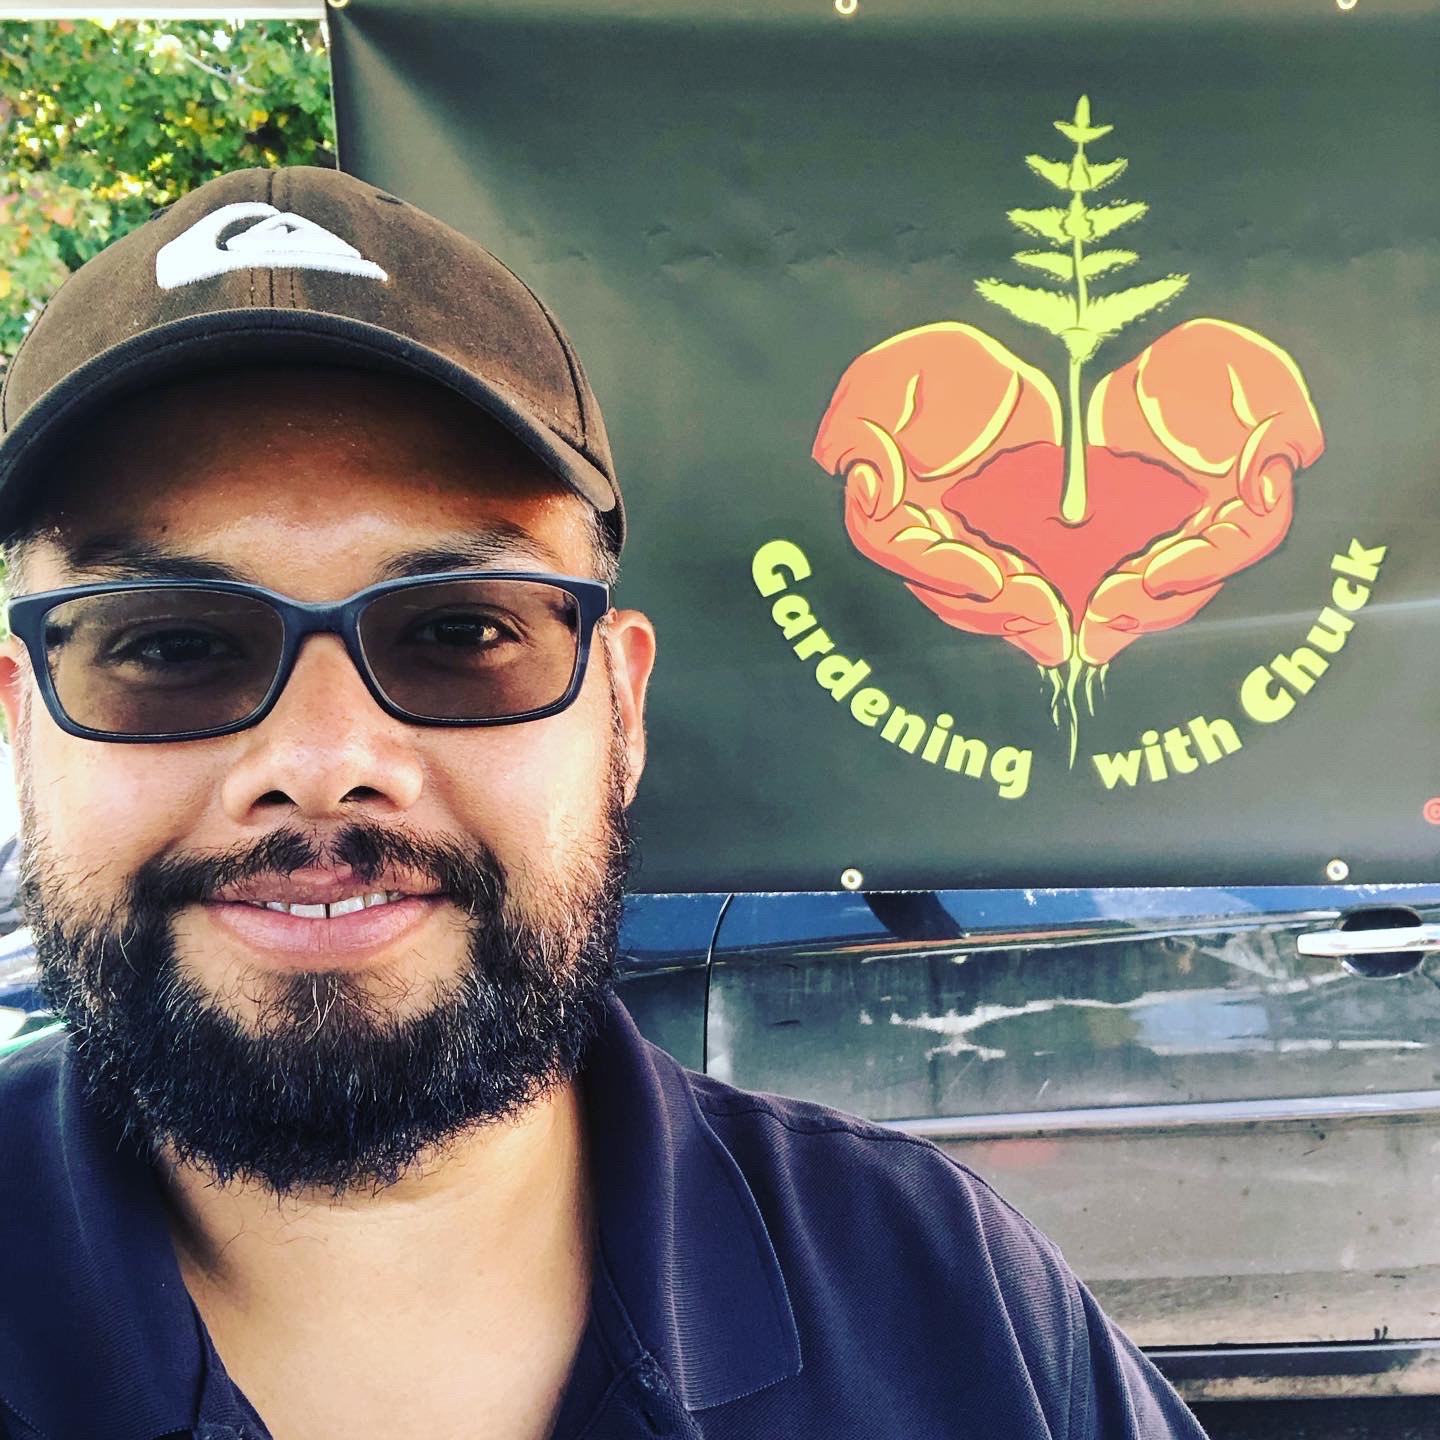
(158, 660)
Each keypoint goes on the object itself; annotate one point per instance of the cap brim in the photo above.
(248, 337)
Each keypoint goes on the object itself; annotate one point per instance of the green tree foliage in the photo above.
(103, 122)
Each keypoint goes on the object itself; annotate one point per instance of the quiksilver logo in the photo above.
(278, 241)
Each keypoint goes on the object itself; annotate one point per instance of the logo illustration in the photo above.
(1071, 527)
(278, 242)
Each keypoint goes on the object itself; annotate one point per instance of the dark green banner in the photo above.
(1027, 412)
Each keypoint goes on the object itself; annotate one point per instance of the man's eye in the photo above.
(165, 648)
(464, 632)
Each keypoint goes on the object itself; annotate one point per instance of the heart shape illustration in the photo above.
(950, 448)
(1013, 503)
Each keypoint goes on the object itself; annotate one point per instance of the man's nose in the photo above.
(326, 749)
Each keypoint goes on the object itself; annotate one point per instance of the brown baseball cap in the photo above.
(299, 264)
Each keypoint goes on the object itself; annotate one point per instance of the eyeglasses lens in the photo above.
(162, 662)
(172, 661)
(473, 649)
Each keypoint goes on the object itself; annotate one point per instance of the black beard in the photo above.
(326, 1091)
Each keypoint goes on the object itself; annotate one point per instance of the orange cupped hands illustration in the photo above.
(951, 451)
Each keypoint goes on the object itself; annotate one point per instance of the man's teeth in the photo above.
(347, 906)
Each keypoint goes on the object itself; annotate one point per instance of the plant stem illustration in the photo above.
(1080, 320)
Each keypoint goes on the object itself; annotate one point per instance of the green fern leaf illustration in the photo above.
(1048, 224)
(1105, 219)
(1055, 171)
(1080, 320)
(1108, 314)
(1080, 131)
(1062, 267)
(1102, 174)
(1083, 134)
(1077, 221)
(1043, 308)
(1081, 343)
(1100, 262)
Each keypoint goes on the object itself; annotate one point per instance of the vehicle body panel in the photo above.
(1236, 1145)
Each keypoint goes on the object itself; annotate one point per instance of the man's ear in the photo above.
(14, 680)
(630, 644)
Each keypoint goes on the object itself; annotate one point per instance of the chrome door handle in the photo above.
(1409, 940)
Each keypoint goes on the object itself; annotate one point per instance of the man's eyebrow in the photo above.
(503, 543)
(123, 557)
(114, 557)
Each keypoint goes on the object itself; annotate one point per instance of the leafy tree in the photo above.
(103, 122)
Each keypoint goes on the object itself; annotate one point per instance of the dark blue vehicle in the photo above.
(1223, 1104)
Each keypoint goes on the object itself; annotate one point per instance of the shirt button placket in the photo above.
(659, 1406)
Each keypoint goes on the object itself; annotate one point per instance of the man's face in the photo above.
(145, 860)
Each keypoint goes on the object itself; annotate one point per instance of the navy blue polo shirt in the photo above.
(765, 1267)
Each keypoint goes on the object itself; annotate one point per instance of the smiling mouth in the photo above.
(348, 906)
(322, 934)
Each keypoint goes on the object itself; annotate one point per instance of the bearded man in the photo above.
(325, 731)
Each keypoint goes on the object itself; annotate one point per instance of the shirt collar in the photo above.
(680, 1229)
(94, 1274)
(96, 1321)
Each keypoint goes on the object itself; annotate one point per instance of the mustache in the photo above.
(468, 874)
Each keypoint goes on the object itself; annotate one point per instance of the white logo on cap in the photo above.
(279, 242)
